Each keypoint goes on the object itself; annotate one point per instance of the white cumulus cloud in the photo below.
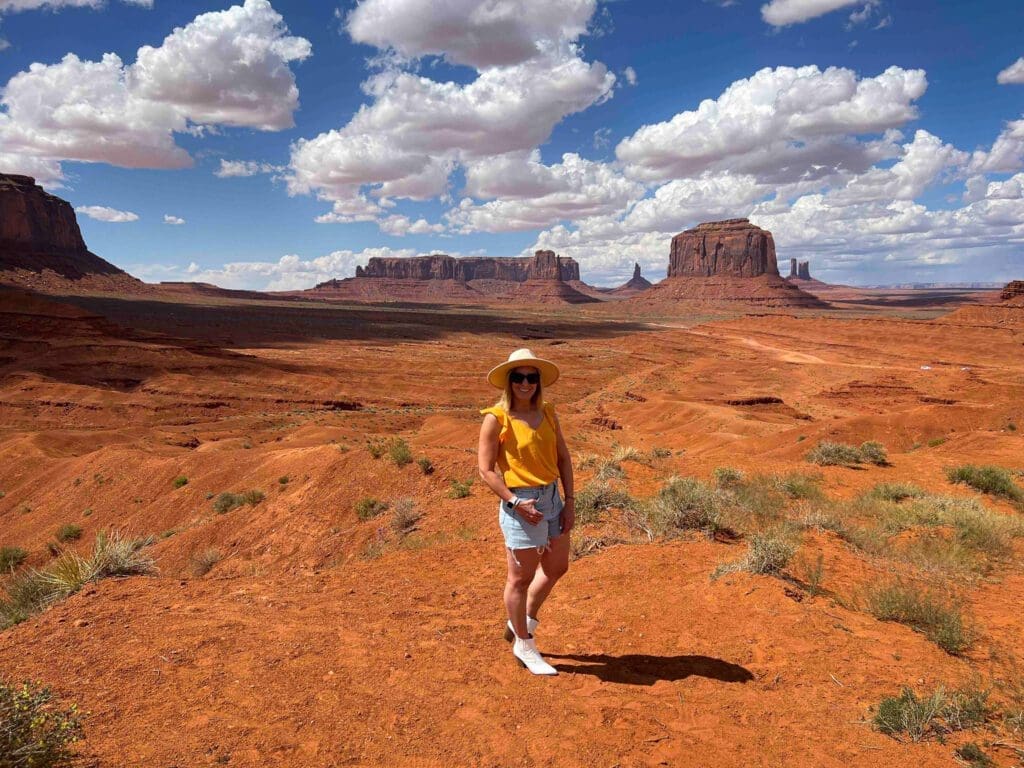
(795, 120)
(176, 220)
(242, 168)
(1013, 74)
(103, 213)
(478, 34)
(14, 6)
(782, 13)
(226, 68)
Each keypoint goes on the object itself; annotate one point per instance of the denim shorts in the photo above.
(520, 534)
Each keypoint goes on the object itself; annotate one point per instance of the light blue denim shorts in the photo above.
(520, 534)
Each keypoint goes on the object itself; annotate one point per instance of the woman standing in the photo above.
(522, 456)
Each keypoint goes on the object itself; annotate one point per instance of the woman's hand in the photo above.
(528, 509)
(568, 515)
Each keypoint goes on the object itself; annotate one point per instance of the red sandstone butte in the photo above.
(41, 246)
(733, 247)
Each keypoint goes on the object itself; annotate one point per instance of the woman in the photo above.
(522, 455)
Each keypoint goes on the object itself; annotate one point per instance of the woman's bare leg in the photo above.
(553, 565)
(522, 566)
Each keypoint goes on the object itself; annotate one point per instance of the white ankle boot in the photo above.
(528, 655)
(531, 626)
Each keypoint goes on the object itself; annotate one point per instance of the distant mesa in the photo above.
(727, 261)
(544, 277)
(41, 246)
(799, 270)
(1013, 292)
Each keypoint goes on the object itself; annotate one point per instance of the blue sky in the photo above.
(271, 144)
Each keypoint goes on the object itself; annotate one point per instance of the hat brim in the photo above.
(549, 372)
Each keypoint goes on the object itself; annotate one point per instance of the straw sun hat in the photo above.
(523, 357)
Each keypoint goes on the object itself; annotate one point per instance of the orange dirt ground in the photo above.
(323, 640)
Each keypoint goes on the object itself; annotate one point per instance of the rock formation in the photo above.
(41, 246)
(1013, 291)
(734, 247)
(542, 278)
(543, 265)
(792, 269)
(722, 262)
(804, 270)
(636, 284)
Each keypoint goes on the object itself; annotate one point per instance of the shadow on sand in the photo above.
(641, 669)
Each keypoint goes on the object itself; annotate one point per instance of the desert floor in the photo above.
(319, 639)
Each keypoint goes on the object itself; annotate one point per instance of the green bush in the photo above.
(180, 481)
(369, 507)
(376, 447)
(874, 453)
(609, 469)
(987, 479)
(896, 491)
(685, 503)
(460, 488)
(34, 731)
(727, 477)
(935, 442)
(596, 498)
(971, 754)
(227, 501)
(399, 452)
(283, 480)
(426, 465)
(11, 558)
(68, 532)
(797, 485)
(116, 554)
(937, 714)
(828, 453)
(934, 615)
(769, 552)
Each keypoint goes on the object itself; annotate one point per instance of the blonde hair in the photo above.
(505, 401)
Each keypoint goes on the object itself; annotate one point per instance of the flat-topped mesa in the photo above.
(1013, 290)
(543, 265)
(34, 221)
(734, 248)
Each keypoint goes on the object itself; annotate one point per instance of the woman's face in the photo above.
(522, 388)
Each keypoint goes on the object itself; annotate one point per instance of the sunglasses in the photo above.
(519, 378)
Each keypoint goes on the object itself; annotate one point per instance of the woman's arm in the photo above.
(487, 456)
(565, 473)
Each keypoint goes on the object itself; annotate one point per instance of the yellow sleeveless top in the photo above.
(527, 457)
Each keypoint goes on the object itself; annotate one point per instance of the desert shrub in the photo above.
(66, 575)
(399, 452)
(936, 714)
(180, 481)
(935, 616)
(659, 453)
(376, 447)
(609, 469)
(369, 507)
(596, 498)
(11, 558)
(727, 477)
(987, 479)
(622, 453)
(587, 461)
(284, 480)
(68, 532)
(797, 485)
(227, 501)
(27, 594)
(581, 546)
(828, 453)
(34, 731)
(404, 516)
(874, 453)
(685, 503)
(971, 754)
(814, 575)
(769, 552)
(117, 554)
(201, 563)
(459, 489)
(935, 442)
(426, 465)
(896, 491)
(908, 714)
(976, 527)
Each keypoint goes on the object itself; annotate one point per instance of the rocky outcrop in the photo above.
(636, 284)
(41, 246)
(732, 248)
(803, 271)
(1013, 291)
(792, 269)
(543, 265)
